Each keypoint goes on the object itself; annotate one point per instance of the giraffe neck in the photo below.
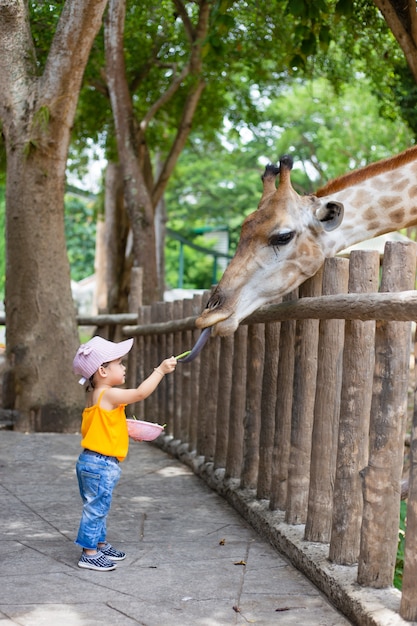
(383, 202)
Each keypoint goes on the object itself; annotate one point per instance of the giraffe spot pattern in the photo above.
(397, 216)
(370, 214)
(414, 169)
(387, 202)
(362, 196)
(400, 185)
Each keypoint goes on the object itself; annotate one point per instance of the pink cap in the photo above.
(95, 352)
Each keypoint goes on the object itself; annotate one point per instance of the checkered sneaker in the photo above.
(97, 562)
(112, 553)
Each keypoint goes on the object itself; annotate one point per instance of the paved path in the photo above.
(192, 560)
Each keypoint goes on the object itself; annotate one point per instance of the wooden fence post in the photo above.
(184, 371)
(355, 407)
(326, 409)
(135, 302)
(381, 479)
(139, 407)
(170, 380)
(283, 411)
(268, 401)
(195, 378)
(252, 421)
(223, 401)
(161, 342)
(305, 372)
(206, 426)
(237, 405)
(177, 349)
(206, 414)
(152, 400)
(147, 359)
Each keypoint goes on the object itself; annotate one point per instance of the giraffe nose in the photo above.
(215, 301)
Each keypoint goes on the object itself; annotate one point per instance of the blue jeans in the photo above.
(97, 476)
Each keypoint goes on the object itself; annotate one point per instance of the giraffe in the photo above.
(286, 240)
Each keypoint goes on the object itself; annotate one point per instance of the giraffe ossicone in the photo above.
(286, 240)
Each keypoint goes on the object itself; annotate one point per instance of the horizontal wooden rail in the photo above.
(107, 319)
(401, 306)
(160, 328)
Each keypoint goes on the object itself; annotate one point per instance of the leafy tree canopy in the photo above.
(327, 133)
(256, 63)
(252, 48)
(251, 53)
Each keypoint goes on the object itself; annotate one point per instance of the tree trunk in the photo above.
(41, 331)
(118, 259)
(37, 113)
(142, 193)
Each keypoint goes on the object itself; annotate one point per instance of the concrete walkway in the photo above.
(192, 560)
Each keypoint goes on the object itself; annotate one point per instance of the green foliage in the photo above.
(327, 132)
(405, 93)
(256, 58)
(2, 242)
(80, 232)
(44, 17)
(214, 187)
(331, 132)
(399, 564)
(245, 46)
(197, 267)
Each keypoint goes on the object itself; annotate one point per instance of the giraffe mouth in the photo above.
(218, 316)
(221, 324)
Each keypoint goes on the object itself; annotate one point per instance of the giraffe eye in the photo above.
(281, 239)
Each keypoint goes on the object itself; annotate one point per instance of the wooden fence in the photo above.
(299, 420)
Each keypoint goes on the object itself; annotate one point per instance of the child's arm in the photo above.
(118, 396)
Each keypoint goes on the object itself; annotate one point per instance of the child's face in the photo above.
(116, 372)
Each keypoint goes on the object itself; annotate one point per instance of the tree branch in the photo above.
(179, 141)
(190, 105)
(188, 25)
(78, 25)
(123, 115)
(174, 86)
(405, 39)
(413, 20)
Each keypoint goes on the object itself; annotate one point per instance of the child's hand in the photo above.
(168, 365)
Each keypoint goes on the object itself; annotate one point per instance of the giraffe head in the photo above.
(281, 244)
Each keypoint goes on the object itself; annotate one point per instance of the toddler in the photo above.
(105, 440)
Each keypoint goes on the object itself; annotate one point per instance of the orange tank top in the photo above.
(105, 431)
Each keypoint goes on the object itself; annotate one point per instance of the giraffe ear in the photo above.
(330, 214)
